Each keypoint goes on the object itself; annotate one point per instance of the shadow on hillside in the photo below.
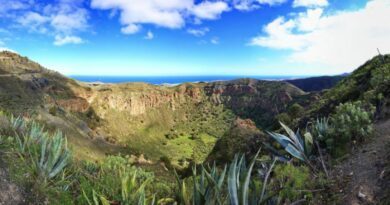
(50, 99)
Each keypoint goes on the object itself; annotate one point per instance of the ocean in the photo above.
(159, 80)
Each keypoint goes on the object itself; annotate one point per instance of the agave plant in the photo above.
(207, 187)
(97, 199)
(131, 191)
(17, 123)
(242, 189)
(51, 155)
(321, 128)
(294, 143)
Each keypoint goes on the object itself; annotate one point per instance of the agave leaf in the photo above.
(61, 164)
(283, 140)
(240, 168)
(222, 178)
(290, 133)
(153, 200)
(141, 199)
(232, 183)
(300, 144)
(266, 180)
(104, 200)
(294, 152)
(95, 198)
(247, 180)
(86, 197)
(308, 142)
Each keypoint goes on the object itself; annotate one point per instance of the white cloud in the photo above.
(340, 41)
(272, 2)
(165, 13)
(149, 35)
(249, 5)
(214, 40)
(209, 10)
(34, 21)
(68, 19)
(10, 5)
(280, 36)
(63, 18)
(198, 32)
(63, 40)
(245, 5)
(130, 29)
(310, 3)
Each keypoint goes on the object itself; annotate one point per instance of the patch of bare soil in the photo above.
(362, 177)
(10, 193)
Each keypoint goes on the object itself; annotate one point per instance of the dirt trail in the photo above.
(361, 177)
(10, 193)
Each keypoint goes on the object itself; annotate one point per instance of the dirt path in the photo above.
(10, 193)
(361, 177)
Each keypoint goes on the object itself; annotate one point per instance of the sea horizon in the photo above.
(160, 80)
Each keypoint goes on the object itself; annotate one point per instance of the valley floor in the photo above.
(362, 177)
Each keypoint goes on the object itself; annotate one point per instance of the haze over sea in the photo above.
(158, 80)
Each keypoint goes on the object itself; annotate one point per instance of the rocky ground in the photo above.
(10, 193)
(362, 176)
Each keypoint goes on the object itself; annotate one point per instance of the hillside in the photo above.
(160, 136)
(370, 82)
(317, 83)
(182, 123)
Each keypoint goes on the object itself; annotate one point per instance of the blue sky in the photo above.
(187, 37)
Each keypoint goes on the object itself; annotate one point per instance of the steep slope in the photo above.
(28, 89)
(317, 83)
(370, 82)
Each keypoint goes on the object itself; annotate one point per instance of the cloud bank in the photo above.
(339, 40)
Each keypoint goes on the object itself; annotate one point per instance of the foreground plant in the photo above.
(242, 189)
(209, 187)
(52, 155)
(294, 144)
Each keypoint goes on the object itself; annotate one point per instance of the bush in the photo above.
(351, 121)
(292, 181)
(295, 111)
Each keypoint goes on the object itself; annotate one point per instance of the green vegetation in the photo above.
(145, 144)
(56, 178)
(369, 84)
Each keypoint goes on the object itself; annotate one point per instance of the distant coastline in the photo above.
(172, 80)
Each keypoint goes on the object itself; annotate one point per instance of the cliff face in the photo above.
(243, 97)
(137, 99)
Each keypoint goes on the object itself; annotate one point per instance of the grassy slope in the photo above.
(370, 82)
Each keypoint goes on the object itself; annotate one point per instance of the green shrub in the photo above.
(295, 111)
(351, 121)
(285, 118)
(293, 181)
